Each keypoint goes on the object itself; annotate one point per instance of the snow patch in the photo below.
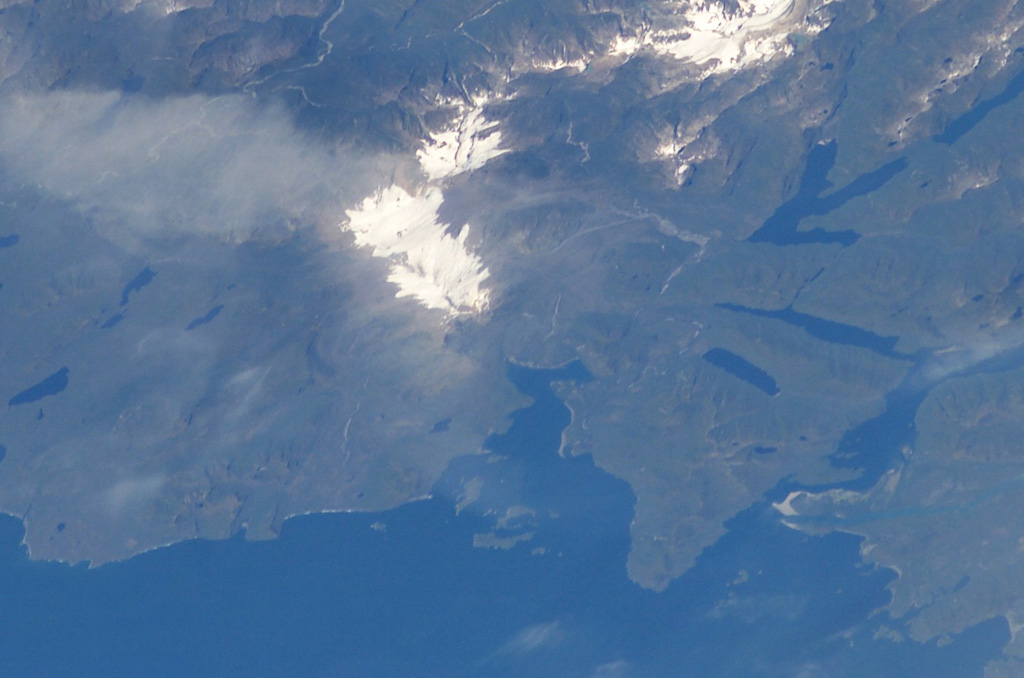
(722, 38)
(732, 39)
(685, 149)
(578, 65)
(427, 263)
(164, 7)
(468, 144)
(626, 46)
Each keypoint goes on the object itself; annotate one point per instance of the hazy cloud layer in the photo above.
(195, 164)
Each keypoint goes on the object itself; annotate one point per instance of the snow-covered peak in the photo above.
(466, 145)
(427, 263)
(721, 38)
(403, 226)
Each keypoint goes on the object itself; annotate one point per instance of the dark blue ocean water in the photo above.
(335, 597)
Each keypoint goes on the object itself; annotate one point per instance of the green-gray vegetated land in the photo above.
(315, 389)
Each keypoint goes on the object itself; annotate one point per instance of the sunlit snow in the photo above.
(468, 144)
(579, 65)
(427, 263)
(724, 39)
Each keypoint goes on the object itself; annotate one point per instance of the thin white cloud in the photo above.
(536, 637)
(189, 164)
(616, 669)
(131, 491)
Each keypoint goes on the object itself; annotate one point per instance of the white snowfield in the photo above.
(427, 263)
(674, 150)
(724, 40)
(579, 65)
(165, 7)
(466, 145)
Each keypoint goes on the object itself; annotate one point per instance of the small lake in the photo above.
(50, 386)
(743, 369)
